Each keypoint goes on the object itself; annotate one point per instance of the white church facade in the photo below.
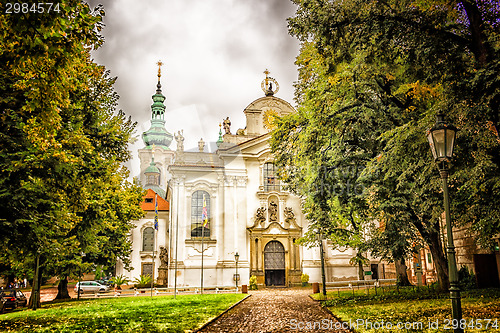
(225, 211)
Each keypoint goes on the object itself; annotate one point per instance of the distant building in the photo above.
(214, 205)
(484, 263)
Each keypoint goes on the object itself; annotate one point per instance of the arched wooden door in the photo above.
(274, 263)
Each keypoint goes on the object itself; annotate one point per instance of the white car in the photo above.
(90, 287)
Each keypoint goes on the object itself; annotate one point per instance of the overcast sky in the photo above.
(214, 54)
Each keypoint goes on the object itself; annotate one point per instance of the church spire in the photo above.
(158, 108)
(157, 134)
(219, 140)
(158, 86)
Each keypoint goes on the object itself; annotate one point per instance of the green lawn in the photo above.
(416, 311)
(126, 314)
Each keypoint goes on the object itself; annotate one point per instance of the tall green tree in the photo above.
(379, 71)
(61, 144)
(335, 138)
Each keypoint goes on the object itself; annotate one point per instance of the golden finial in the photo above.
(159, 63)
(267, 86)
(267, 77)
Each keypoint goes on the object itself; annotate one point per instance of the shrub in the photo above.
(119, 280)
(304, 279)
(466, 278)
(253, 282)
(143, 281)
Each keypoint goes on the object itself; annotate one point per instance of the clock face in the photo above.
(270, 84)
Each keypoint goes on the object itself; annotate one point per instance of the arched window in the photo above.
(200, 214)
(147, 239)
(153, 179)
(271, 181)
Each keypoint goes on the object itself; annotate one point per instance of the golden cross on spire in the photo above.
(159, 63)
(267, 78)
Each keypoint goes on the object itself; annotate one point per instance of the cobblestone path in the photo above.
(276, 310)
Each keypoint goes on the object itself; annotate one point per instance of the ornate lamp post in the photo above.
(236, 258)
(442, 139)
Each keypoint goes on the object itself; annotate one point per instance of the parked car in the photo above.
(104, 281)
(90, 287)
(13, 298)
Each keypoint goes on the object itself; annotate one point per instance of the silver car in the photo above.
(90, 287)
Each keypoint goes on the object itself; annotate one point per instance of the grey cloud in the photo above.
(214, 54)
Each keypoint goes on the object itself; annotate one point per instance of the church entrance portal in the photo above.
(274, 263)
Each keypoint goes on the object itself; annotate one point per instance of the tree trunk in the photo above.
(62, 289)
(479, 43)
(361, 273)
(34, 301)
(401, 273)
(440, 262)
(10, 280)
(430, 235)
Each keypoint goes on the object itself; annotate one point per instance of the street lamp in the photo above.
(442, 139)
(236, 258)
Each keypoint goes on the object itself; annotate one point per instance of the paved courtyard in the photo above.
(276, 310)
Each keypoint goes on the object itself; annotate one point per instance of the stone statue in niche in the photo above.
(260, 216)
(163, 257)
(289, 215)
(273, 211)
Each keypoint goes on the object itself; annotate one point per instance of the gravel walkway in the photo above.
(276, 310)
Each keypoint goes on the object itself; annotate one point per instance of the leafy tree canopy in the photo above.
(62, 143)
(372, 76)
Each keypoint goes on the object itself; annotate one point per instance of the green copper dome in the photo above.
(152, 174)
(157, 134)
(152, 168)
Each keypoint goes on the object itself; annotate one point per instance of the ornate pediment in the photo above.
(275, 229)
(267, 218)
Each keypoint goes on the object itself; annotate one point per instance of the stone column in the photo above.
(260, 259)
(235, 213)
